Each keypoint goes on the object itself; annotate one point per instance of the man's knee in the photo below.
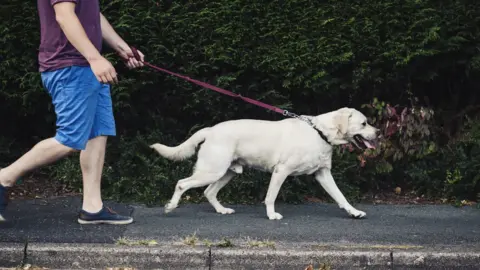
(98, 143)
(73, 140)
(68, 149)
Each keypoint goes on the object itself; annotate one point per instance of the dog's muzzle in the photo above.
(362, 143)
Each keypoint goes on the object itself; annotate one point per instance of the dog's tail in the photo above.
(184, 150)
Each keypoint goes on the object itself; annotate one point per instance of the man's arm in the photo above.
(73, 30)
(118, 44)
(110, 36)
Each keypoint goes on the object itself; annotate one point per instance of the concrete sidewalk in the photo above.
(45, 233)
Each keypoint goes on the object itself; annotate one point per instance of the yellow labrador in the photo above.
(284, 148)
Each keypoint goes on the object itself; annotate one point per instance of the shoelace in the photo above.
(111, 211)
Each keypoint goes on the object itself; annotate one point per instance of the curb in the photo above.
(12, 254)
(169, 256)
(342, 259)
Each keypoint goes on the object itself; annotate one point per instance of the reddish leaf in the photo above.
(393, 112)
(350, 147)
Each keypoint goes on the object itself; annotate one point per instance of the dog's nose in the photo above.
(377, 131)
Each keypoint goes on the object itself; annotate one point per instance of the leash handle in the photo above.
(135, 54)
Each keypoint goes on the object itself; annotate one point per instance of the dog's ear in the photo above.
(340, 120)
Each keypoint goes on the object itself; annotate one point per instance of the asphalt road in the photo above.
(54, 221)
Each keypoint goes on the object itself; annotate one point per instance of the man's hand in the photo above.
(103, 70)
(118, 44)
(126, 53)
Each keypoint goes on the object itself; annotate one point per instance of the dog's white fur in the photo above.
(284, 148)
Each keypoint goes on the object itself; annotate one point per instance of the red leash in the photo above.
(214, 88)
(228, 93)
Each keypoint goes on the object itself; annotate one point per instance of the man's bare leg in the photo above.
(43, 153)
(91, 162)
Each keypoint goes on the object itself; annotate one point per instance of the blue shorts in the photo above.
(83, 105)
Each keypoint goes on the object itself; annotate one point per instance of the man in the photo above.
(77, 78)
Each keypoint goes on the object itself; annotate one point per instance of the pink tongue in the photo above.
(368, 145)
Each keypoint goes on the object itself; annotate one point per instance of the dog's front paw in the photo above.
(225, 211)
(169, 207)
(354, 213)
(274, 216)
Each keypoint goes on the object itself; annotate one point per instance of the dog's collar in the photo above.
(322, 135)
(318, 130)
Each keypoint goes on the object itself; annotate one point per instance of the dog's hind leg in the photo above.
(213, 162)
(173, 203)
(212, 190)
(198, 179)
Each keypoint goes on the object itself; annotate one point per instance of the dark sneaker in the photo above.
(104, 216)
(3, 202)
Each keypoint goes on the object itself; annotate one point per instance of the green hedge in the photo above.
(307, 56)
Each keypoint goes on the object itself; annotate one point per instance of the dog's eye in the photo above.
(364, 123)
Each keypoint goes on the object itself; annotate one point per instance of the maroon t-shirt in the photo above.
(55, 50)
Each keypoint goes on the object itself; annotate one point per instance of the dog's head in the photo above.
(348, 125)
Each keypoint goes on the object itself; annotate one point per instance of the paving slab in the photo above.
(11, 254)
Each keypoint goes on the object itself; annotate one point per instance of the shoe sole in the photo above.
(112, 222)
